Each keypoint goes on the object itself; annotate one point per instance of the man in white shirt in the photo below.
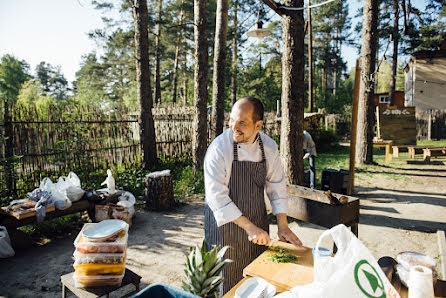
(240, 167)
(310, 153)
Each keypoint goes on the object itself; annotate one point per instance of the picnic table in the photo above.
(388, 145)
(285, 276)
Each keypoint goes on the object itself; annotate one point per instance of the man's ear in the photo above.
(259, 124)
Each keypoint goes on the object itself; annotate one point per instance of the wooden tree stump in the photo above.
(159, 191)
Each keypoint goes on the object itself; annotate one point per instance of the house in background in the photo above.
(425, 80)
(383, 100)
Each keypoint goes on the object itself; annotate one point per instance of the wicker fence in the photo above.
(53, 142)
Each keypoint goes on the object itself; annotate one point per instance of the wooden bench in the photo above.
(10, 222)
(401, 148)
(413, 150)
(431, 152)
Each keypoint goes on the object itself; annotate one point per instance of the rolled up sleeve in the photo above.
(275, 186)
(216, 189)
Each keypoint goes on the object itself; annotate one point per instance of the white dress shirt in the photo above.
(217, 171)
(309, 146)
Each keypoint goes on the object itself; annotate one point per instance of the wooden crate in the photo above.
(313, 206)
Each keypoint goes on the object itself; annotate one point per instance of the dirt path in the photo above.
(402, 207)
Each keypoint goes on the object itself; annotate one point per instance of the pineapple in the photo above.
(203, 267)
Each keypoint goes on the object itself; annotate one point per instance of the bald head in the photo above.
(246, 119)
(250, 104)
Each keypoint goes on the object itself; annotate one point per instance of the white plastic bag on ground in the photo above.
(61, 201)
(354, 271)
(6, 249)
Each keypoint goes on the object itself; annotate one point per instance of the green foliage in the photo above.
(13, 73)
(325, 140)
(52, 80)
(32, 94)
(202, 272)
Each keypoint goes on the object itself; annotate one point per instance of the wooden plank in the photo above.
(353, 128)
(442, 252)
(283, 275)
(29, 213)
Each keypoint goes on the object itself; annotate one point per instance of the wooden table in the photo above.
(130, 277)
(287, 275)
(387, 145)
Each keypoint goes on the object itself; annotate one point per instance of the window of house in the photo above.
(384, 99)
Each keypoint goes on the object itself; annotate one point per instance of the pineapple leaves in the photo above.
(203, 268)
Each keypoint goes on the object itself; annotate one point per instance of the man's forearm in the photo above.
(243, 222)
(282, 221)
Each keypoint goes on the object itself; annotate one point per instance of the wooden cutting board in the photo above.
(283, 275)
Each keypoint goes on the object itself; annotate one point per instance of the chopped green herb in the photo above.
(282, 258)
(279, 249)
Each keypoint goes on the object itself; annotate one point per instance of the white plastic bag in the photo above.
(61, 201)
(71, 185)
(354, 271)
(6, 249)
(127, 199)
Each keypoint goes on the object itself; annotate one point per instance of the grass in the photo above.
(431, 143)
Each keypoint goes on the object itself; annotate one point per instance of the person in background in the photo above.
(241, 166)
(310, 153)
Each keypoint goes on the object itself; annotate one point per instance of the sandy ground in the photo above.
(402, 207)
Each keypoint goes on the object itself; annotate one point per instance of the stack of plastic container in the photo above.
(99, 258)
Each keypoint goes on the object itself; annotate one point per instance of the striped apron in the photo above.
(246, 190)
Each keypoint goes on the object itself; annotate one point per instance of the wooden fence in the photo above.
(53, 142)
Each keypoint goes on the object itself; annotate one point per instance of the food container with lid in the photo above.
(97, 281)
(99, 269)
(98, 258)
(114, 244)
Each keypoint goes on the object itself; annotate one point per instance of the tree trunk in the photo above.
(177, 54)
(234, 56)
(366, 119)
(158, 54)
(199, 139)
(395, 37)
(186, 78)
(293, 64)
(218, 79)
(310, 63)
(148, 144)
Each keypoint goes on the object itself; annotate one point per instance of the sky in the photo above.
(55, 31)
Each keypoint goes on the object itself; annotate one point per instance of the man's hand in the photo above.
(284, 232)
(255, 234)
(286, 235)
(306, 156)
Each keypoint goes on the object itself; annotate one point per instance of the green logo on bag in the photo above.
(368, 280)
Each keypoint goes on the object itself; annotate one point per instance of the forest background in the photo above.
(106, 79)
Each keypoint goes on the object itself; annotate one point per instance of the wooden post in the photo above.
(9, 152)
(353, 128)
(378, 126)
(429, 126)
